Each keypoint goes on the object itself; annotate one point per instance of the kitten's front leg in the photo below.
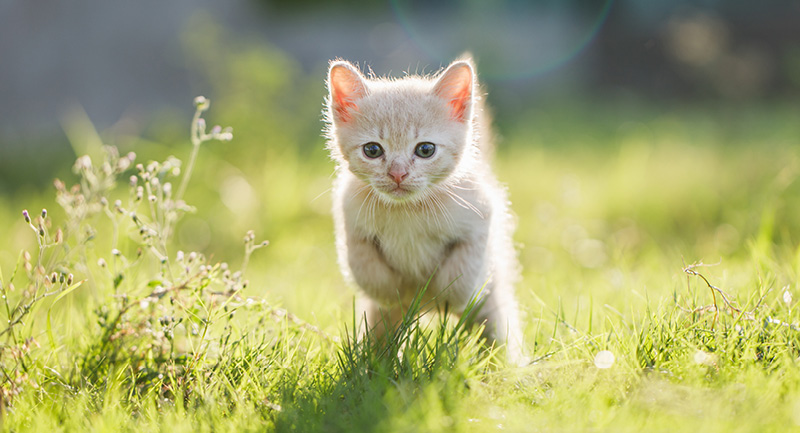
(465, 271)
(380, 321)
(462, 271)
(378, 311)
(370, 270)
(500, 314)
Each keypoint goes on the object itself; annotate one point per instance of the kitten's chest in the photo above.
(413, 242)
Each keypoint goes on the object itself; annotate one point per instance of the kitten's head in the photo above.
(402, 136)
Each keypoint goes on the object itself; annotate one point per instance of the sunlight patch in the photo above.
(237, 194)
(604, 359)
(704, 358)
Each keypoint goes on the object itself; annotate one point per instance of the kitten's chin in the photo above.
(399, 194)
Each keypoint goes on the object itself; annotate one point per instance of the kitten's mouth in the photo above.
(399, 192)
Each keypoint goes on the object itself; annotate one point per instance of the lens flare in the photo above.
(512, 40)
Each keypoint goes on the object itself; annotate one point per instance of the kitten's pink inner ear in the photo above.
(346, 88)
(455, 86)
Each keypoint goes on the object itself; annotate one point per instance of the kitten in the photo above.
(415, 200)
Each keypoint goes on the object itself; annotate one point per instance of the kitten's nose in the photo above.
(398, 173)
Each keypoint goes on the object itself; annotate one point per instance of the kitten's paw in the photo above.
(517, 357)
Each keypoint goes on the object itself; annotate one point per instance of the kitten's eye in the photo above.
(373, 150)
(425, 150)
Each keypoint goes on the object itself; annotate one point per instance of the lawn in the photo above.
(659, 244)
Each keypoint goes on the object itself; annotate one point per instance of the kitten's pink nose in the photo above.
(398, 173)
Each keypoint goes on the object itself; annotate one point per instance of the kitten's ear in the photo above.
(347, 86)
(455, 86)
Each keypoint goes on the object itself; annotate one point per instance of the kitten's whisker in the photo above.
(441, 209)
(463, 202)
(358, 214)
(373, 203)
(428, 206)
(321, 194)
(463, 188)
(457, 183)
(368, 199)
(430, 213)
(438, 210)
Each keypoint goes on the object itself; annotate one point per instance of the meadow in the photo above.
(659, 244)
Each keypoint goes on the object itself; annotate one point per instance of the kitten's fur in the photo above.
(403, 220)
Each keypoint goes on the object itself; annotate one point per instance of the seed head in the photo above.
(44, 213)
(70, 277)
(201, 103)
(83, 163)
(226, 134)
(123, 164)
(26, 215)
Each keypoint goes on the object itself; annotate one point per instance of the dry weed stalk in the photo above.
(730, 306)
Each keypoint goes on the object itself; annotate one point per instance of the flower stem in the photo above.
(196, 141)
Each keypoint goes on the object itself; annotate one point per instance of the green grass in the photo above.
(613, 206)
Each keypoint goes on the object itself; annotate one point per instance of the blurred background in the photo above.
(126, 62)
(624, 125)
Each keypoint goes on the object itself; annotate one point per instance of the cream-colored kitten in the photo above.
(415, 200)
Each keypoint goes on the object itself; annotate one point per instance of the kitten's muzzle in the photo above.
(398, 173)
